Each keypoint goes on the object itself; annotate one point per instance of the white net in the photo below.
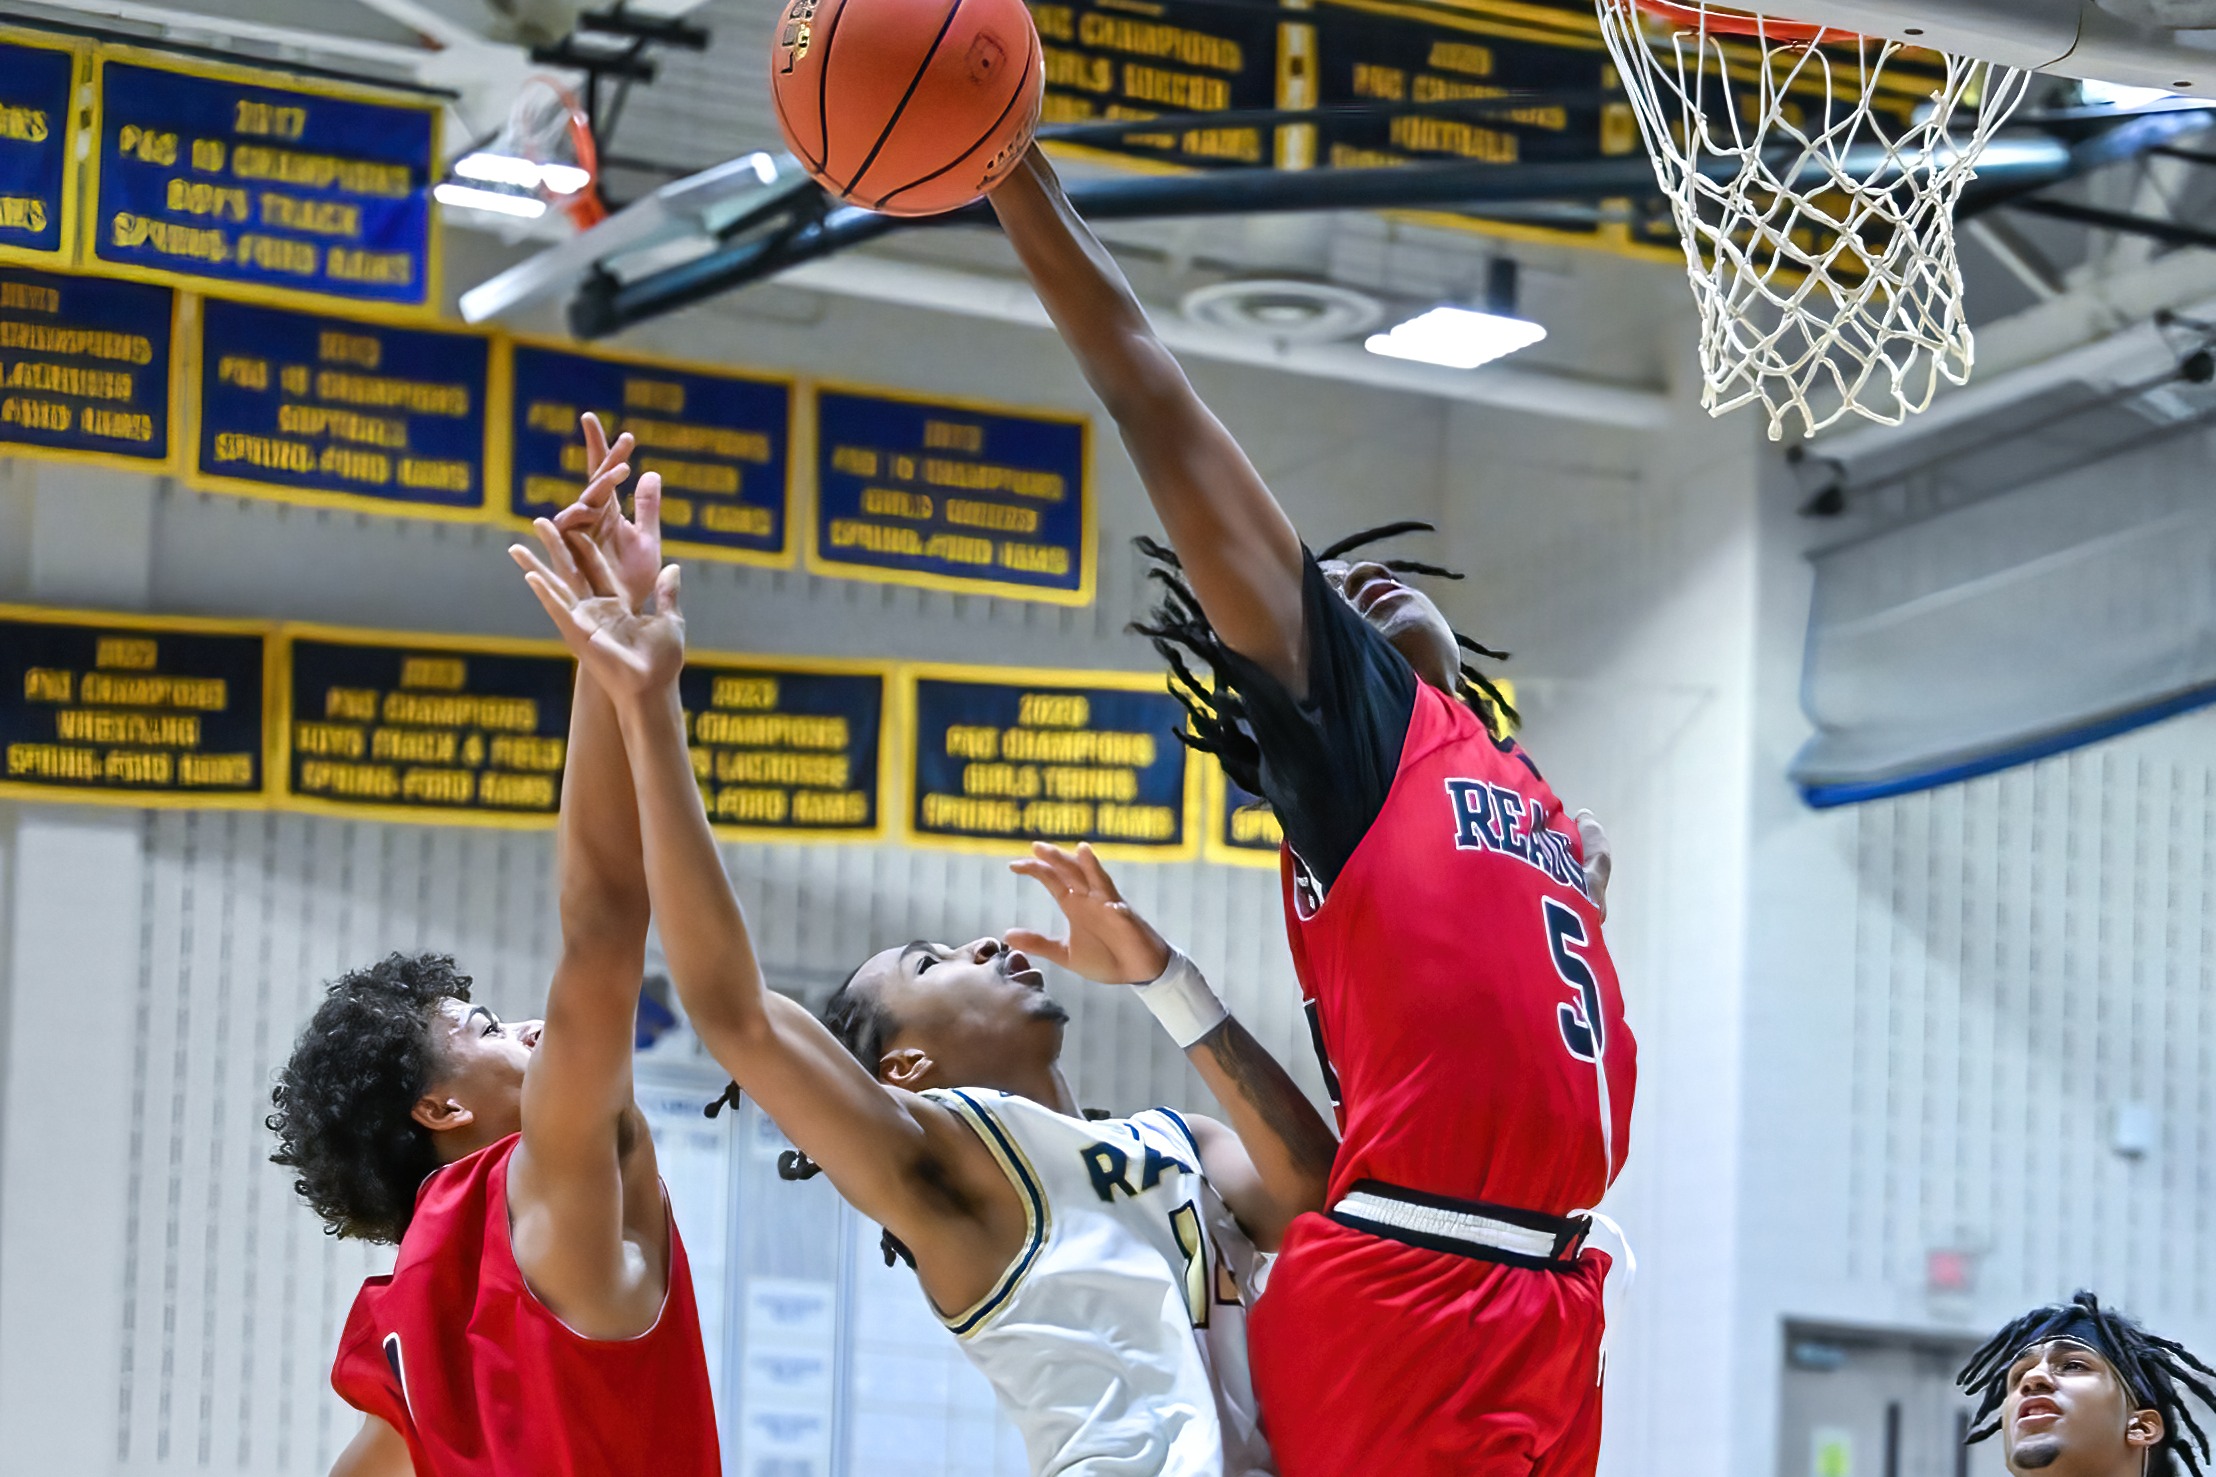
(1814, 175)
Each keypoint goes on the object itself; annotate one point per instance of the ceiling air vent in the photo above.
(1285, 309)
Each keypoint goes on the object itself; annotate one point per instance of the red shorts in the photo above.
(1374, 1357)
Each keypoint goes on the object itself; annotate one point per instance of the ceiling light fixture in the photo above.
(2098, 94)
(1464, 338)
(500, 202)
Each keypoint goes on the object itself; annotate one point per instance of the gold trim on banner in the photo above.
(281, 793)
(892, 742)
(182, 322)
(426, 310)
(502, 509)
(188, 459)
(813, 560)
(1215, 847)
(1045, 677)
(260, 799)
(75, 128)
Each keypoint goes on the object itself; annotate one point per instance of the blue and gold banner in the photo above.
(1005, 757)
(316, 409)
(423, 727)
(131, 710)
(721, 441)
(787, 752)
(86, 368)
(215, 174)
(1242, 828)
(38, 181)
(953, 497)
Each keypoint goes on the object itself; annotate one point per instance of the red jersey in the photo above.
(456, 1353)
(1459, 987)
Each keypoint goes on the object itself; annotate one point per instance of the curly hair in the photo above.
(1216, 716)
(2156, 1372)
(345, 1096)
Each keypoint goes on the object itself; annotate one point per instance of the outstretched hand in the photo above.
(1108, 942)
(632, 546)
(632, 647)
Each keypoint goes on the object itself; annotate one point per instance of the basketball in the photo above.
(912, 107)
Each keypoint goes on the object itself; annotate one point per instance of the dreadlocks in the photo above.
(2154, 1370)
(1216, 716)
(863, 1025)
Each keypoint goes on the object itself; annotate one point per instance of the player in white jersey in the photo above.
(1100, 1361)
(1094, 1271)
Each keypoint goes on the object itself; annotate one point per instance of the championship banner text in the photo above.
(221, 175)
(85, 368)
(787, 752)
(722, 442)
(1005, 758)
(38, 185)
(953, 497)
(424, 728)
(131, 710)
(309, 408)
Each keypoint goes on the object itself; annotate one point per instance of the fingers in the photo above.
(1096, 875)
(646, 509)
(563, 615)
(1039, 872)
(1038, 946)
(600, 492)
(596, 440)
(531, 564)
(559, 560)
(593, 565)
(667, 586)
(1068, 876)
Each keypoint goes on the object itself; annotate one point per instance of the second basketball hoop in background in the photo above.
(1814, 175)
(912, 107)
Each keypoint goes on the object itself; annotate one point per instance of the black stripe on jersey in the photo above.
(399, 1371)
(1018, 1171)
(1186, 1129)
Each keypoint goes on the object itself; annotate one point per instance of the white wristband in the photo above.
(1183, 1003)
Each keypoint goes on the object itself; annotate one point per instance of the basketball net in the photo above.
(1814, 181)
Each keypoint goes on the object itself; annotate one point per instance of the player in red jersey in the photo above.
(539, 1319)
(1444, 1316)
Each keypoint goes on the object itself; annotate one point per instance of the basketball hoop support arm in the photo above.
(606, 304)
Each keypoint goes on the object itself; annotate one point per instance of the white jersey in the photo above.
(1116, 1340)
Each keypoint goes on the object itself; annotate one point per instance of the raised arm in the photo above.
(1275, 1159)
(887, 1153)
(586, 1201)
(1239, 550)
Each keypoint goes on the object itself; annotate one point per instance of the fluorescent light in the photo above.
(523, 174)
(2098, 94)
(501, 169)
(1456, 338)
(468, 197)
(563, 179)
(765, 168)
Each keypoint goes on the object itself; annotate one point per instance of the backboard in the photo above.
(2167, 44)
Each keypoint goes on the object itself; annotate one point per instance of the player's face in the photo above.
(1403, 615)
(976, 1008)
(2067, 1414)
(481, 1064)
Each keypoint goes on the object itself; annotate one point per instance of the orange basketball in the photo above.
(911, 107)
